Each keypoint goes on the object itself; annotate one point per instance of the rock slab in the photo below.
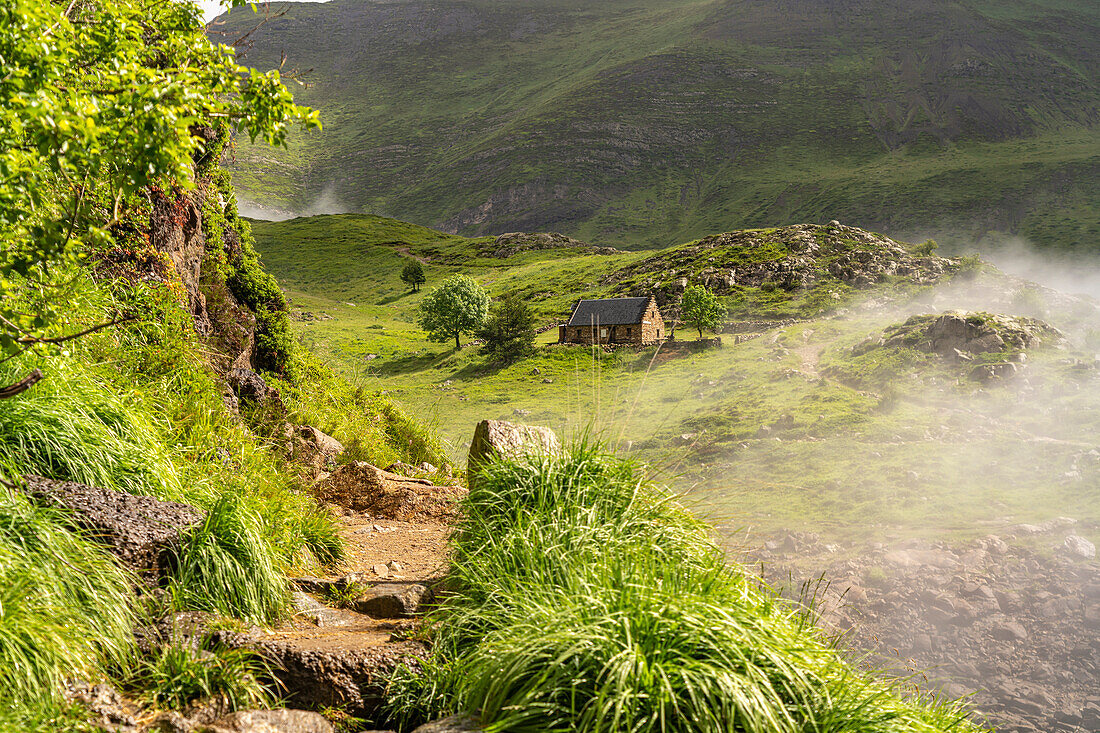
(141, 531)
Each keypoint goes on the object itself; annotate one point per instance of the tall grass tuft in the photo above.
(65, 606)
(587, 601)
(189, 671)
(225, 566)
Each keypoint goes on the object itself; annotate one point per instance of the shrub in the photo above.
(926, 248)
(509, 332)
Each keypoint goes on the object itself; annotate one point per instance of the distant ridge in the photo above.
(640, 123)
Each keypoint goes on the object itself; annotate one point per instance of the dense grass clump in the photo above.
(65, 606)
(225, 566)
(585, 600)
(185, 672)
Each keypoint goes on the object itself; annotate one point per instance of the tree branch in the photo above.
(22, 385)
(61, 339)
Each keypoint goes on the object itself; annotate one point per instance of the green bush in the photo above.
(585, 600)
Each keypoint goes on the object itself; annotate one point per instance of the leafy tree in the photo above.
(100, 101)
(701, 309)
(413, 275)
(509, 332)
(459, 305)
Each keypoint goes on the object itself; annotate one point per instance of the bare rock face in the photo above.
(498, 437)
(175, 228)
(361, 487)
(142, 531)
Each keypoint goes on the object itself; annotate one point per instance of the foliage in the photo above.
(509, 332)
(225, 566)
(926, 248)
(65, 606)
(413, 275)
(701, 309)
(200, 670)
(101, 100)
(584, 600)
(343, 596)
(457, 306)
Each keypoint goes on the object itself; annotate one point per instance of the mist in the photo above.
(326, 202)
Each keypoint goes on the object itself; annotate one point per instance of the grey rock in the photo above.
(1008, 631)
(393, 600)
(1077, 545)
(497, 437)
(452, 724)
(141, 531)
(272, 721)
(251, 388)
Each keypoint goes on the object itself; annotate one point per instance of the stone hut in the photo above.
(635, 321)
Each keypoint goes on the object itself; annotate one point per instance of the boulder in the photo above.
(452, 724)
(497, 437)
(392, 600)
(1080, 547)
(142, 531)
(315, 449)
(271, 721)
(361, 487)
(251, 389)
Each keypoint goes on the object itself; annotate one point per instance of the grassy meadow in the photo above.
(788, 430)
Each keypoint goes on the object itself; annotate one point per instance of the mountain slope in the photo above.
(647, 122)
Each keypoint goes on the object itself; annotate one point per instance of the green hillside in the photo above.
(644, 123)
(795, 427)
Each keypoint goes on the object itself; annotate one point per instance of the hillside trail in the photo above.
(810, 355)
(406, 252)
(386, 559)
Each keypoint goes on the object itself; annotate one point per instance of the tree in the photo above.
(509, 332)
(459, 305)
(100, 101)
(413, 275)
(701, 309)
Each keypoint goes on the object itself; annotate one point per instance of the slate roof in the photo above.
(609, 312)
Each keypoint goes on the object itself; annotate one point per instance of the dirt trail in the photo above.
(406, 252)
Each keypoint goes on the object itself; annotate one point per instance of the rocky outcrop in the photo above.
(141, 531)
(271, 721)
(251, 389)
(498, 437)
(1015, 627)
(960, 335)
(315, 450)
(361, 487)
(341, 672)
(175, 230)
(507, 245)
(787, 258)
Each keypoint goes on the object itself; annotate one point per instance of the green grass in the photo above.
(190, 671)
(584, 599)
(224, 566)
(643, 124)
(66, 609)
